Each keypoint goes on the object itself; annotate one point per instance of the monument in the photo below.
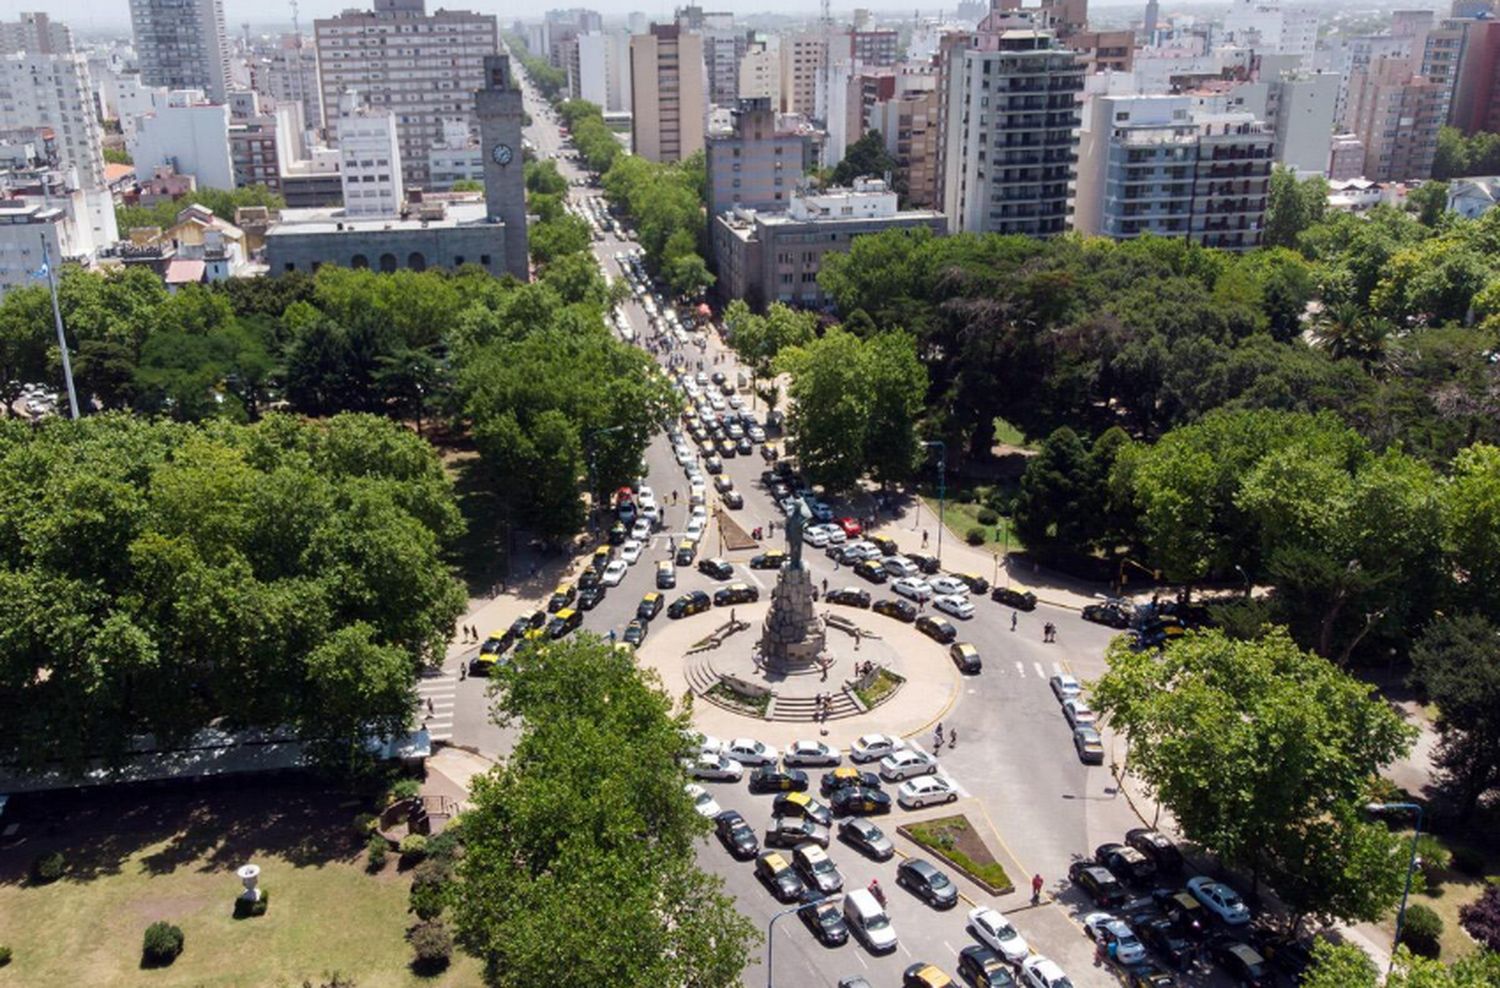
(793, 638)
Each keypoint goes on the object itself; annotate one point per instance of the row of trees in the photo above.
(222, 201)
(546, 77)
(1459, 156)
(159, 578)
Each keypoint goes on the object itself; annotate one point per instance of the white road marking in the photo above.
(1039, 670)
(862, 961)
(1021, 669)
(903, 948)
(750, 575)
(950, 947)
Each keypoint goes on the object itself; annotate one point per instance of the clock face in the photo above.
(502, 154)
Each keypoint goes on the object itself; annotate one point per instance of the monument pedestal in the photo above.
(793, 638)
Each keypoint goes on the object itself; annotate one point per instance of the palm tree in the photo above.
(1347, 330)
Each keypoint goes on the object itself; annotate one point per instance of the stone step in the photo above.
(700, 675)
(842, 704)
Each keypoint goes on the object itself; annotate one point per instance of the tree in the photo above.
(1263, 753)
(865, 158)
(355, 688)
(897, 384)
(1345, 965)
(1471, 523)
(1053, 503)
(589, 808)
(1292, 205)
(1429, 201)
(1456, 661)
(1481, 918)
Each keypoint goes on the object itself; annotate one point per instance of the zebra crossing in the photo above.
(435, 698)
(1037, 667)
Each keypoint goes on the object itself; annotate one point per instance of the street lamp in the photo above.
(771, 933)
(1244, 576)
(942, 449)
(1411, 866)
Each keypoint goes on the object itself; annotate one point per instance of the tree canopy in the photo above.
(1456, 661)
(865, 158)
(222, 201)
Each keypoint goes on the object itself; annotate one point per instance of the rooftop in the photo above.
(334, 220)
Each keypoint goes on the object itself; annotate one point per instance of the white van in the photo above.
(869, 921)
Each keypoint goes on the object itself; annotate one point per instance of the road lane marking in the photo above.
(1039, 670)
(1021, 669)
(950, 947)
(903, 948)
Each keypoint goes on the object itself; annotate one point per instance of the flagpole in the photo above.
(62, 341)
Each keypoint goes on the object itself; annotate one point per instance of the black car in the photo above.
(1112, 615)
(693, 602)
(927, 564)
(983, 968)
(1291, 957)
(789, 831)
(927, 883)
(736, 835)
(635, 632)
(769, 560)
(616, 534)
(867, 839)
(849, 596)
(1127, 863)
(649, 607)
(1021, 600)
(590, 597)
(1160, 934)
(716, 568)
(826, 921)
(776, 872)
(1157, 847)
(966, 657)
(1241, 962)
(769, 778)
(938, 629)
(899, 609)
(1150, 975)
(736, 593)
(733, 500)
(870, 569)
(859, 801)
(1102, 887)
(744, 446)
(1186, 913)
(591, 577)
(846, 778)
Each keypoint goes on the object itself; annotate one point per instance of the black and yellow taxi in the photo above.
(650, 605)
(736, 593)
(871, 569)
(563, 622)
(689, 604)
(617, 533)
(924, 975)
(901, 610)
(800, 804)
(769, 778)
(886, 546)
(860, 801)
(844, 777)
(777, 873)
(490, 652)
(687, 551)
(975, 582)
(965, 656)
(600, 559)
(666, 576)
(561, 597)
(771, 559)
(635, 633)
(936, 628)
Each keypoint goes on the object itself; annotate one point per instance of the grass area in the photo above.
(1008, 435)
(1449, 892)
(326, 916)
(954, 839)
(959, 518)
(884, 685)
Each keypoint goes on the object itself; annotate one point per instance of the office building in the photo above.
(182, 44)
(1475, 104)
(874, 47)
(1009, 108)
(255, 143)
(766, 257)
(191, 135)
(1104, 51)
(667, 90)
(35, 33)
(24, 227)
(723, 48)
(424, 68)
(369, 158)
(1158, 165)
(755, 165)
(598, 67)
(1270, 28)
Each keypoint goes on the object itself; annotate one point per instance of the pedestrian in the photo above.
(924, 538)
(825, 584)
(731, 616)
(429, 704)
(1013, 619)
(953, 738)
(815, 595)
(824, 677)
(1036, 889)
(463, 672)
(937, 732)
(857, 636)
(1113, 949)
(611, 636)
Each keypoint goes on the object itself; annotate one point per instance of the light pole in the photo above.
(771, 933)
(1244, 576)
(1411, 866)
(942, 449)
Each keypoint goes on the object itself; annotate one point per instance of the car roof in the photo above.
(774, 859)
(919, 865)
(799, 798)
(965, 647)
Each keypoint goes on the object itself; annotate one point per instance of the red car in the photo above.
(851, 527)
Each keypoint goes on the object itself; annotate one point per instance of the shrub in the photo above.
(975, 536)
(1434, 857)
(428, 882)
(432, 945)
(1468, 861)
(403, 789)
(48, 867)
(1422, 930)
(445, 846)
(4, 956)
(987, 516)
(413, 849)
(1481, 918)
(377, 847)
(244, 908)
(162, 944)
(365, 822)
(964, 496)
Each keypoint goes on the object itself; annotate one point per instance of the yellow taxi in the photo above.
(922, 975)
(563, 622)
(561, 597)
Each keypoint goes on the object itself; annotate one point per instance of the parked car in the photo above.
(1186, 913)
(960, 607)
(736, 593)
(860, 801)
(847, 778)
(812, 753)
(1078, 713)
(826, 921)
(938, 629)
(650, 606)
(703, 800)
(866, 838)
(792, 831)
(690, 603)
(975, 582)
(1021, 600)
(1043, 972)
(735, 834)
(1098, 884)
(912, 588)
(715, 767)
(1089, 745)
(907, 763)
(769, 778)
(946, 585)
(1126, 863)
(635, 632)
(1157, 847)
(925, 563)
(927, 883)
(794, 804)
(1065, 687)
(1161, 935)
(748, 751)
(871, 570)
(777, 874)
(1112, 615)
(873, 747)
(924, 975)
(772, 559)
(983, 968)
(849, 596)
(966, 657)
(1241, 962)
(1219, 899)
(998, 933)
(927, 790)
(1109, 929)
(716, 568)
(898, 609)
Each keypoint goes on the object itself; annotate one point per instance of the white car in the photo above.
(703, 802)
(716, 767)
(699, 511)
(996, 932)
(646, 498)
(695, 529)
(749, 752)
(900, 566)
(926, 791)
(1104, 927)
(913, 587)
(815, 536)
(860, 549)
(697, 494)
(641, 530)
(906, 763)
(811, 753)
(1078, 713)
(684, 455)
(949, 586)
(631, 551)
(757, 434)
(873, 747)
(1065, 687)
(614, 572)
(706, 744)
(1219, 899)
(1042, 972)
(959, 607)
(836, 535)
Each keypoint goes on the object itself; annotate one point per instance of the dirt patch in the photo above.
(957, 841)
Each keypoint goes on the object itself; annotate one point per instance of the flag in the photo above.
(40, 274)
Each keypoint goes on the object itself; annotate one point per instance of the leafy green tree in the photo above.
(1052, 505)
(355, 685)
(543, 177)
(559, 237)
(223, 202)
(1471, 522)
(1459, 156)
(897, 386)
(1456, 661)
(1345, 965)
(758, 340)
(1263, 754)
(866, 157)
(1292, 205)
(1429, 200)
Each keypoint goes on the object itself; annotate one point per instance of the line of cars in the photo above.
(1080, 717)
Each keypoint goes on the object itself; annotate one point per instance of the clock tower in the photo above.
(498, 106)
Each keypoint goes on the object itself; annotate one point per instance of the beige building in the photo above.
(760, 72)
(424, 68)
(802, 57)
(1396, 114)
(667, 93)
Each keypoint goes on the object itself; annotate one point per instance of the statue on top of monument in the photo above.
(796, 520)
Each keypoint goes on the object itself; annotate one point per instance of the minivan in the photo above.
(868, 921)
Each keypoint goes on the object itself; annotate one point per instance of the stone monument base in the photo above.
(793, 638)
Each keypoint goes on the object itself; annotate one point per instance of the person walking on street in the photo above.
(1013, 619)
(953, 738)
(825, 584)
(1036, 889)
(924, 538)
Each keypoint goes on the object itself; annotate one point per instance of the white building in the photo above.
(599, 70)
(191, 134)
(1301, 107)
(288, 73)
(370, 163)
(760, 71)
(182, 44)
(456, 158)
(1268, 27)
(134, 99)
(1471, 198)
(49, 205)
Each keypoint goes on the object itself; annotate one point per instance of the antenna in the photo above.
(827, 12)
(296, 24)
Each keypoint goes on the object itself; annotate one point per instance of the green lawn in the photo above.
(1451, 892)
(1008, 435)
(958, 518)
(953, 838)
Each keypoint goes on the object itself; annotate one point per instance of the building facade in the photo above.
(1301, 107)
(909, 121)
(35, 33)
(760, 71)
(288, 73)
(756, 165)
(802, 58)
(1397, 115)
(190, 134)
(182, 44)
(667, 91)
(423, 68)
(369, 158)
(501, 111)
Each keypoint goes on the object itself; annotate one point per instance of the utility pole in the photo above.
(62, 340)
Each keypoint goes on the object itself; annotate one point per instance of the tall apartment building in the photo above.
(1359, 52)
(1158, 165)
(802, 58)
(1475, 103)
(667, 93)
(1009, 106)
(760, 71)
(723, 48)
(1300, 105)
(369, 158)
(35, 32)
(423, 68)
(907, 117)
(1269, 27)
(598, 67)
(874, 47)
(755, 165)
(288, 73)
(1104, 51)
(1396, 113)
(182, 44)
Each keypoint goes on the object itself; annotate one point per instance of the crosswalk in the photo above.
(1038, 668)
(435, 697)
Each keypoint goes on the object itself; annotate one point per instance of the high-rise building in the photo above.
(35, 33)
(369, 158)
(1475, 104)
(1104, 51)
(802, 57)
(723, 48)
(1397, 114)
(256, 140)
(667, 93)
(1300, 105)
(1148, 26)
(1009, 106)
(424, 68)
(182, 44)
(288, 73)
(760, 71)
(906, 115)
(874, 47)
(598, 67)
(1270, 28)
(755, 165)
(500, 110)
